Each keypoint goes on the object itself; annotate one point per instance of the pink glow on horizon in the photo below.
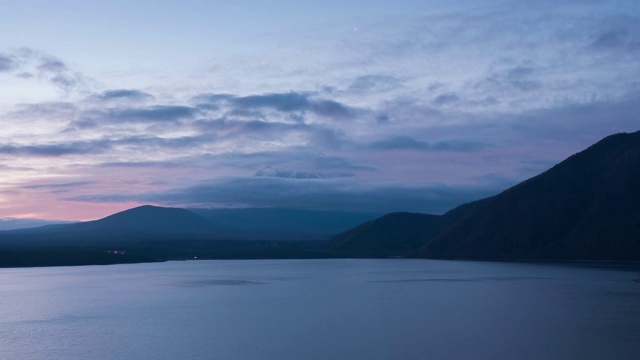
(65, 210)
(456, 96)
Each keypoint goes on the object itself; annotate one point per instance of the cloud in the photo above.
(55, 150)
(210, 101)
(156, 113)
(7, 63)
(330, 108)
(609, 40)
(409, 143)
(57, 186)
(294, 174)
(252, 128)
(587, 122)
(275, 132)
(67, 82)
(373, 83)
(445, 99)
(458, 145)
(99, 118)
(616, 34)
(285, 102)
(292, 159)
(53, 69)
(520, 77)
(167, 127)
(400, 142)
(157, 142)
(520, 55)
(50, 63)
(545, 84)
(382, 119)
(314, 194)
(27, 63)
(247, 113)
(405, 111)
(45, 110)
(268, 128)
(25, 75)
(92, 119)
(122, 94)
(144, 143)
(293, 102)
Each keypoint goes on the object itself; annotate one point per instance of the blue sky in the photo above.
(378, 105)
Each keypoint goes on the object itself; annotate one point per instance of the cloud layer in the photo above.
(414, 112)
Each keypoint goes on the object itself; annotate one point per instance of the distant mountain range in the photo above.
(151, 233)
(12, 224)
(585, 208)
(282, 224)
(230, 224)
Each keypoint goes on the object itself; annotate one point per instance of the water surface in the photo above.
(320, 309)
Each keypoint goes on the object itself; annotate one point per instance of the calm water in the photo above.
(320, 309)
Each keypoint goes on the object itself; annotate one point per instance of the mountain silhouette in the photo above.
(395, 234)
(282, 224)
(147, 219)
(230, 224)
(585, 208)
(151, 233)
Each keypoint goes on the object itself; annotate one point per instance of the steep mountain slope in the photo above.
(395, 234)
(585, 208)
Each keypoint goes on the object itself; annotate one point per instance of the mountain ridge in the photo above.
(586, 207)
(147, 219)
(272, 223)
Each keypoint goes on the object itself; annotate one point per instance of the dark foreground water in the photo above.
(320, 309)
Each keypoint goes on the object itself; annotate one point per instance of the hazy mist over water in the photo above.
(320, 309)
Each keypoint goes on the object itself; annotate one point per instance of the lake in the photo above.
(320, 309)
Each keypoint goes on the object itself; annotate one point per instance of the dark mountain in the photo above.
(150, 233)
(147, 219)
(395, 234)
(146, 233)
(124, 228)
(282, 224)
(245, 224)
(585, 208)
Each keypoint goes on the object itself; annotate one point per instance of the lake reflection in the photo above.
(320, 309)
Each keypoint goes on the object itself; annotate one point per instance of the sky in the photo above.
(374, 105)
